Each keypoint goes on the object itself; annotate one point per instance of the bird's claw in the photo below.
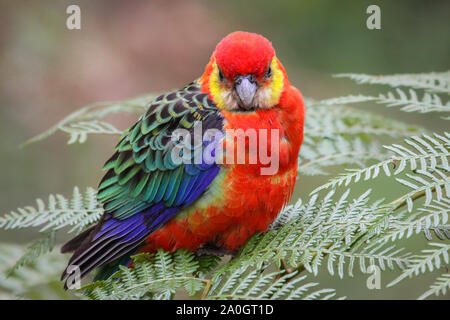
(214, 252)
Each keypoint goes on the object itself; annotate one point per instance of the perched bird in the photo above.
(152, 201)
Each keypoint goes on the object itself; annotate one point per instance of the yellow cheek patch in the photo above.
(269, 97)
(277, 83)
(215, 88)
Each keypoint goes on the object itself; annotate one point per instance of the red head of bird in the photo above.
(244, 73)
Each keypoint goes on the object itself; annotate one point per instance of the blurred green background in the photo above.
(129, 48)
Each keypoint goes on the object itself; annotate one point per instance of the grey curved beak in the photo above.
(246, 88)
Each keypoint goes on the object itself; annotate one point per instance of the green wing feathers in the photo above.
(141, 171)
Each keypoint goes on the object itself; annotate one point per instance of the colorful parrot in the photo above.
(151, 201)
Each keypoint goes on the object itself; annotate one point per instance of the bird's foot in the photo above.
(215, 251)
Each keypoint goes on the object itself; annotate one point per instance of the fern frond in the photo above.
(79, 131)
(337, 136)
(384, 257)
(442, 232)
(78, 212)
(36, 280)
(428, 103)
(305, 233)
(328, 121)
(154, 276)
(254, 285)
(315, 157)
(34, 251)
(428, 218)
(137, 105)
(433, 81)
(96, 111)
(440, 286)
(425, 183)
(409, 103)
(347, 100)
(430, 260)
(426, 153)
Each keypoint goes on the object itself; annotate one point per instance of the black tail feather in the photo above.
(75, 243)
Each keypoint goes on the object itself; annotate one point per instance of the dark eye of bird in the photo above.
(268, 72)
(221, 77)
